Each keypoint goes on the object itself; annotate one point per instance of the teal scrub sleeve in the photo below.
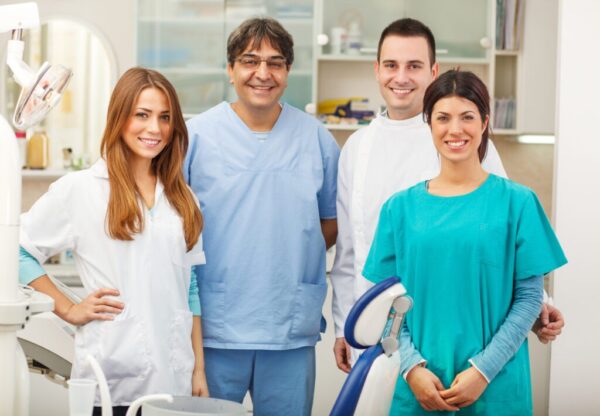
(194, 295)
(525, 308)
(29, 268)
(538, 251)
(381, 261)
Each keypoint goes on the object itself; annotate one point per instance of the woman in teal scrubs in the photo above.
(471, 249)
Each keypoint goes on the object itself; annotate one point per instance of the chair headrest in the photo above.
(366, 321)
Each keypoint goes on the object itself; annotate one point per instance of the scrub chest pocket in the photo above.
(493, 243)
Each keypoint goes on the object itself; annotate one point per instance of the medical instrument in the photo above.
(81, 396)
(163, 404)
(374, 325)
(190, 406)
(40, 92)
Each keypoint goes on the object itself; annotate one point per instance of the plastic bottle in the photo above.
(338, 40)
(37, 150)
(354, 39)
(22, 143)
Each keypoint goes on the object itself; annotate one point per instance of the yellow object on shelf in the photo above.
(37, 150)
(329, 106)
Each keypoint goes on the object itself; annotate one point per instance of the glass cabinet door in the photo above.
(186, 40)
(460, 27)
(354, 26)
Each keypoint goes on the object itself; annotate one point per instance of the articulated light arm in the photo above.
(40, 93)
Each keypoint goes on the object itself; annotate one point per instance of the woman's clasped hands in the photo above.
(432, 395)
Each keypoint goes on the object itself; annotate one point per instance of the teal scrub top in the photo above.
(459, 257)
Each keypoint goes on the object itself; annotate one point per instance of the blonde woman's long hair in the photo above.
(124, 217)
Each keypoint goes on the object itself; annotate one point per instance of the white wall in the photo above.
(537, 77)
(112, 20)
(574, 382)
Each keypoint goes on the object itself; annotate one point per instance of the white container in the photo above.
(354, 39)
(194, 406)
(22, 143)
(338, 40)
(81, 396)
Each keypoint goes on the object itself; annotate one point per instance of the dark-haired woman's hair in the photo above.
(464, 84)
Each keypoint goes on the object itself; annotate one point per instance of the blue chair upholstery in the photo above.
(348, 399)
(360, 306)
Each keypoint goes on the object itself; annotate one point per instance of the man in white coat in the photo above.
(392, 153)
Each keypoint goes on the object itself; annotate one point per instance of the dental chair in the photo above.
(374, 325)
(48, 341)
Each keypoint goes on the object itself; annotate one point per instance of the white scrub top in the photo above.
(377, 161)
(147, 348)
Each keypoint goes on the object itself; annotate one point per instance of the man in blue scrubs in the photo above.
(265, 175)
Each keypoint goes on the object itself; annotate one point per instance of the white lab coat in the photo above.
(147, 348)
(377, 161)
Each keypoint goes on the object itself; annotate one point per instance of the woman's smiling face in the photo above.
(457, 128)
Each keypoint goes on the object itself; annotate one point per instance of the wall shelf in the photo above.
(505, 52)
(66, 273)
(459, 60)
(190, 70)
(182, 20)
(505, 132)
(343, 126)
(347, 58)
(50, 173)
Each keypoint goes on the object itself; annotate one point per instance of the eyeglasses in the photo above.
(252, 62)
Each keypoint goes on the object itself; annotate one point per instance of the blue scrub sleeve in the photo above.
(187, 161)
(409, 355)
(330, 154)
(525, 308)
(381, 261)
(194, 295)
(29, 268)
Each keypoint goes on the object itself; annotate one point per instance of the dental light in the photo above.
(40, 92)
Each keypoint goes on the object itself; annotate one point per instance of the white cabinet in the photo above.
(186, 40)
(537, 76)
(465, 32)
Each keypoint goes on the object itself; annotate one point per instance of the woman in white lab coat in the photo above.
(134, 228)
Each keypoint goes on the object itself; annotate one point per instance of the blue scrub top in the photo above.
(459, 257)
(263, 284)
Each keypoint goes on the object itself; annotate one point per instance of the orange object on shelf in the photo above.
(38, 150)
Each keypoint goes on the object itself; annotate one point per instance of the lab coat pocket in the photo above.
(125, 348)
(181, 353)
(87, 341)
(308, 305)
